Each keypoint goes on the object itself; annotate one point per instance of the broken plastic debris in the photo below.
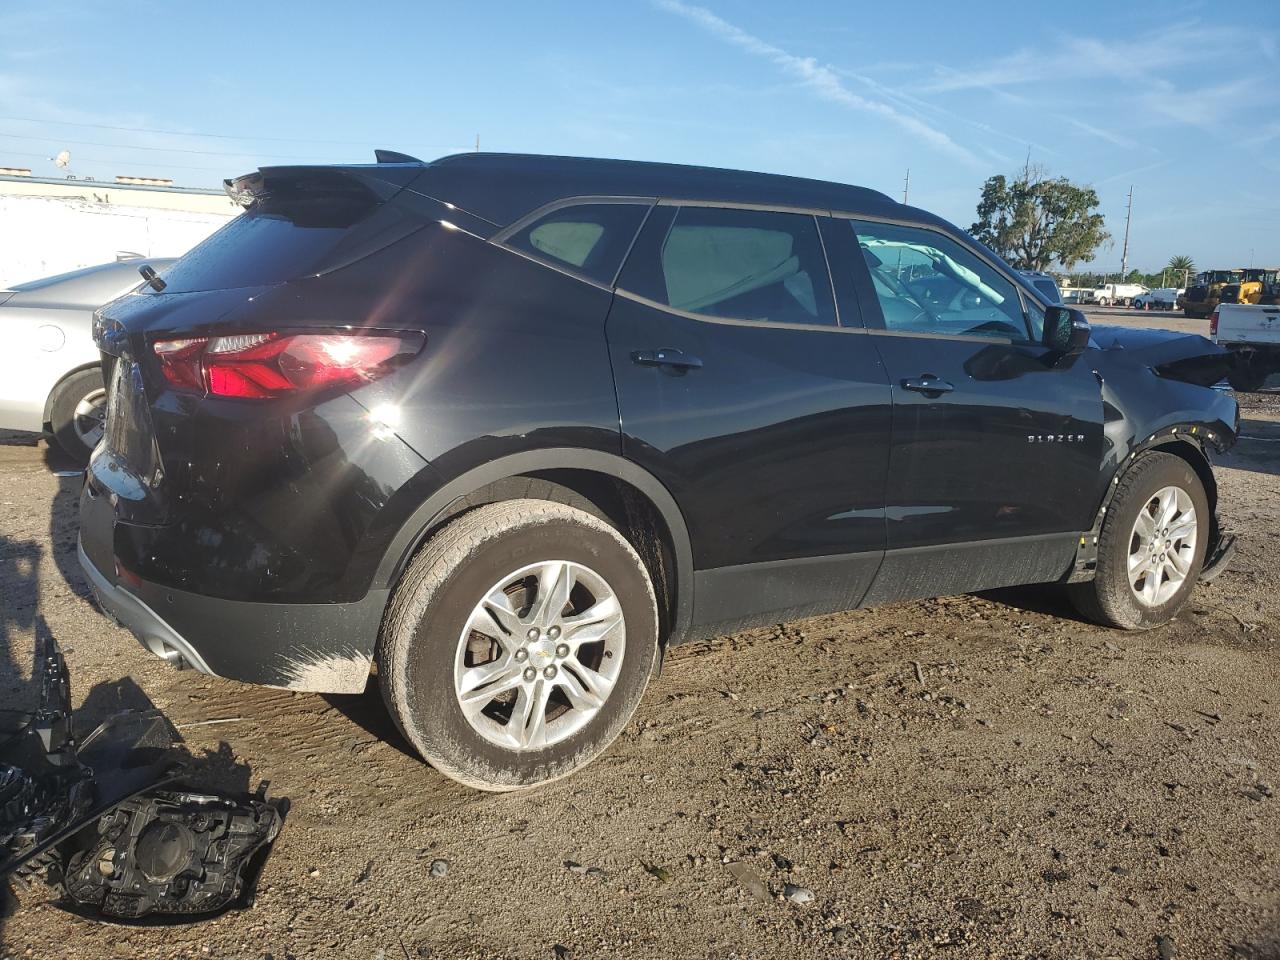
(105, 822)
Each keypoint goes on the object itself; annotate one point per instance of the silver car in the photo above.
(50, 370)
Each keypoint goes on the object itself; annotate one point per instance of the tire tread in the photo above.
(449, 549)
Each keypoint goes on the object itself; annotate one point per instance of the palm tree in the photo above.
(1182, 267)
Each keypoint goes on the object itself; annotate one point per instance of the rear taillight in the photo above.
(1213, 324)
(263, 365)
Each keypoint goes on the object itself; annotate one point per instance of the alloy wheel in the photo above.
(539, 655)
(90, 418)
(1162, 546)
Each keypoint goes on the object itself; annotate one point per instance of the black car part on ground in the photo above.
(169, 853)
(106, 822)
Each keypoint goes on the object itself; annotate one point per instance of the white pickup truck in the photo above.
(1117, 294)
(1252, 333)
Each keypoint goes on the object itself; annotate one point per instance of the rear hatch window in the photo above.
(303, 223)
(257, 248)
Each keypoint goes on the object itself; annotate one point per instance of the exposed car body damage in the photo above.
(108, 822)
(1159, 392)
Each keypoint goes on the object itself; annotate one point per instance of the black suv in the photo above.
(506, 427)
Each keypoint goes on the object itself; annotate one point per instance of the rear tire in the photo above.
(476, 669)
(77, 413)
(1112, 598)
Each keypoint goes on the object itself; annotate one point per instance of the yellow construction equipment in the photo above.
(1202, 299)
(1256, 285)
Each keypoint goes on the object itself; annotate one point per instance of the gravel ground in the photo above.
(973, 776)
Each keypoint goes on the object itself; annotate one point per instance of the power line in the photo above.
(184, 133)
(132, 163)
(126, 146)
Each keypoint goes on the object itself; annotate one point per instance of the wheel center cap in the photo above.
(542, 650)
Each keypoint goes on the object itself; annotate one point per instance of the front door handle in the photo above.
(927, 384)
(666, 357)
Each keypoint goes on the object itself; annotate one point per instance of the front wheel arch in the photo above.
(1182, 442)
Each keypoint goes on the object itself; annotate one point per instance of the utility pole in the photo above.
(906, 185)
(1124, 254)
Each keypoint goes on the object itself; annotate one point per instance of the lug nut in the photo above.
(562, 650)
(530, 673)
(554, 633)
(549, 672)
(533, 633)
(521, 655)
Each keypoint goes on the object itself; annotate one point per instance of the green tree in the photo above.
(1034, 220)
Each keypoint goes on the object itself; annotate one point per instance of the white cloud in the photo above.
(1100, 132)
(824, 81)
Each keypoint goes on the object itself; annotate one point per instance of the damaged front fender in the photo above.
(1160, 391)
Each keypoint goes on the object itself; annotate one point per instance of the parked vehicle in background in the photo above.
(1252, 333)
(509, 426)
(1077, 295)
(1162, 298)
(1043, 284)
(1202, 297)
(1117, 294)
(50, 368)
(1254, 286)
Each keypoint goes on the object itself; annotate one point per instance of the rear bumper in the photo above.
(152, 631)
(318, 647)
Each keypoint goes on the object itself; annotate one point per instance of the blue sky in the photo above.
(1180, 99)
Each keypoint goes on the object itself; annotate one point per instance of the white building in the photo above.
(50, 226)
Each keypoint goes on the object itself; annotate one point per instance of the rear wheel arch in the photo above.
(604, 485)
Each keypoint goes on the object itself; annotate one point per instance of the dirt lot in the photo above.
(1041, 788)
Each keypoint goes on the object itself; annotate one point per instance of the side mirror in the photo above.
(1066, 331)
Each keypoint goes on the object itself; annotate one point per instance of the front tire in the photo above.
(1151, 546)
(518, 644)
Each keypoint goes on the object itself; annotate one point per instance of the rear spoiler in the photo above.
(373, 182)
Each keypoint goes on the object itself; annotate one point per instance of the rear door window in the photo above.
(736, 264)
(589, 239)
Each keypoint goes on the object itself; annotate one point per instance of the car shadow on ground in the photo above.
(1049, 599)
(368, 712)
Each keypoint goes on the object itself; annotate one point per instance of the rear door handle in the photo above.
(666, 357)
(927, 384)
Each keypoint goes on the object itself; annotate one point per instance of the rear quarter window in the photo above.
(589, 239)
